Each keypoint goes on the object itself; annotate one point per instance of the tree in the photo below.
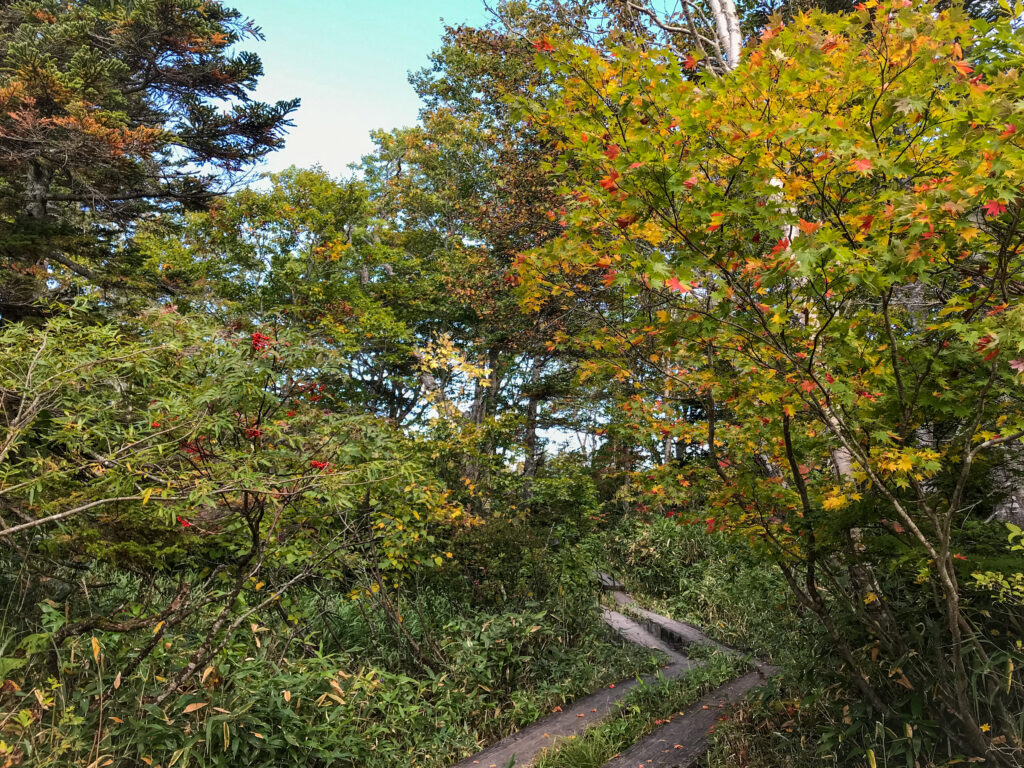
(110, 111)
(310, 253)
(820, 246)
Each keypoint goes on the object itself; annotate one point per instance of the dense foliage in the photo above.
(808, 268)
(319, 470)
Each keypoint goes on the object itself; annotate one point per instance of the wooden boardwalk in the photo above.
(678, 743)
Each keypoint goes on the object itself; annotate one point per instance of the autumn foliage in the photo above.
(810, 270)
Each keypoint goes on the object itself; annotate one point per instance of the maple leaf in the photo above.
(963, 67)
(994, 207)
(1017, 365)
(808, 227)
(866, 222)
(612, 151)
(678, 286)
(862, 166)
(625, 220)
(608, 182)
(716, 221)
(808, 386)
(636, 165)
(609, 278)
(1010, 129)
(691, 182)
(543, 45)
(690, 62)
(780, 246)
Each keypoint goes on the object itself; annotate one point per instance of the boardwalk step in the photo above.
(633, 632)
(610, 583)
(675, 632)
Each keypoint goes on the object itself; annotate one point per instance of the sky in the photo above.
(348, 60)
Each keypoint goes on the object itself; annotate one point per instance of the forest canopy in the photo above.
(317, 470)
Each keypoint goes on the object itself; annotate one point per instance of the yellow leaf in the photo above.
(158, 627)
(96, 649)
(835, 501)
(195, 706)
(869, 598)
(146, 494)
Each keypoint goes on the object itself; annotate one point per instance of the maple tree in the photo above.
(817, 249)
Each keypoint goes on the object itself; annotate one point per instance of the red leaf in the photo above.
(808, 227)
(690, 62)
(994, 207)
(1010, 130)
(612, 151)
(808, 386)
(625, 220)
(862, 166)
(676, 285)
(608, 182)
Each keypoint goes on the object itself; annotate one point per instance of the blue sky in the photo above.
(348, 60)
